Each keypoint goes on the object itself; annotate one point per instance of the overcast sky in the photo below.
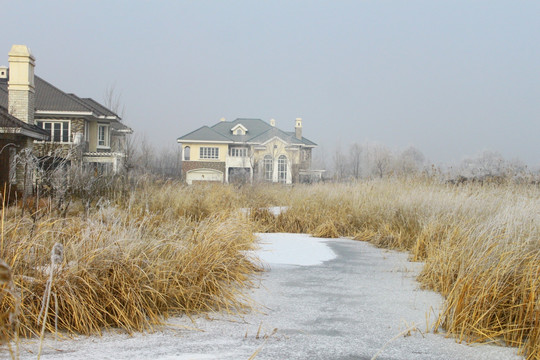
(451, 78)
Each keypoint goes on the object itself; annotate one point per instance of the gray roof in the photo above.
(98, 108)
(258, 131)
(3, 96)
(204, 134)
(10, 124)
(50, 98)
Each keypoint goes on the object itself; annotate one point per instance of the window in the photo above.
(86, 132)
(238, 152)
(12, 165)
(268, 168)
(58, 130)
(282, 169)
(305, 155)
(209, 153)
(187, 153)
(103, 135)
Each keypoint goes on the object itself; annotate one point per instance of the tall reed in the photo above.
(167, 250)
(479, 243)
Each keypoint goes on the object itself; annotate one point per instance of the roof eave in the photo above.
(64, 113)
(25, 132)
(179, 140)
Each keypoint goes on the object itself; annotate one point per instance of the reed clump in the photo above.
(129, 266)
(480, 244)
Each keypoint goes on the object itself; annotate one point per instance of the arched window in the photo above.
(268, 168)
(282, 169)
(187, 151)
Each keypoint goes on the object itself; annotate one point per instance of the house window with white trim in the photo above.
(58, 130)
(268, 168)
(282, 169)
(238, 152)
(103, 135)
(209, 153)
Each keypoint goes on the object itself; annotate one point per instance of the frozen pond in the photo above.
(320, 299)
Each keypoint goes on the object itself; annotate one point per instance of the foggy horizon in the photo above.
(451, 78)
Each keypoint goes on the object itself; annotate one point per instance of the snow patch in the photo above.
(293, 249)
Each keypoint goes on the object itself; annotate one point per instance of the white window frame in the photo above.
(65, 125)
(268, 166)
(282, 169)
(208, 152)
(238, 152)
(105, 142)
(86, 132)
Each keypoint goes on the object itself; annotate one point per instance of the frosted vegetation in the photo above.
(138, 253)
(373, 160)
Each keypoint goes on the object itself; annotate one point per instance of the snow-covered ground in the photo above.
(320, 299)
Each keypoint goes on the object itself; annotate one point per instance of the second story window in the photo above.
(209, 153)
(103, 135)
(58, 130)
(238, 152)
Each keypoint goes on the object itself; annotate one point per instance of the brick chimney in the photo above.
(298, 128)
(21, 91)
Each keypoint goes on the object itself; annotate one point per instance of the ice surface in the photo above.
(321, 299)
(293, 249)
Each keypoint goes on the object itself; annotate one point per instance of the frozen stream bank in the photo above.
(321, 299)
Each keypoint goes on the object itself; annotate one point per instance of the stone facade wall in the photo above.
(22, 104)
(77, 126)
(192, 165)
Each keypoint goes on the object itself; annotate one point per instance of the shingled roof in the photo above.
(258, 131)
(51, 99)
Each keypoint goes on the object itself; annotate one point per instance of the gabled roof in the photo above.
(258, 132)
(10, 124)
(98, 108)
(51, 99)
(204, 134)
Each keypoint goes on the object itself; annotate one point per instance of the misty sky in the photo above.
(451, 78)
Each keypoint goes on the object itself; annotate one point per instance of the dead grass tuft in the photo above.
(479, 243)
(129, 266)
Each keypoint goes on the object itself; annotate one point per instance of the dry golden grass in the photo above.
(480, 244)
(168, 250)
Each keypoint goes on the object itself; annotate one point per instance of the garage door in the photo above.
(203, 175)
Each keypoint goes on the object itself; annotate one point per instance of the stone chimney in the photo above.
(272, 122)
(298, 128)
(21, 92)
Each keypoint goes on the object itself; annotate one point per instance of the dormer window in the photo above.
(239, 130)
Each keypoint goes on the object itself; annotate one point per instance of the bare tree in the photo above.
(356, 152)
(410, 161)
(381, 160)
(113, 100)
(340, 164)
